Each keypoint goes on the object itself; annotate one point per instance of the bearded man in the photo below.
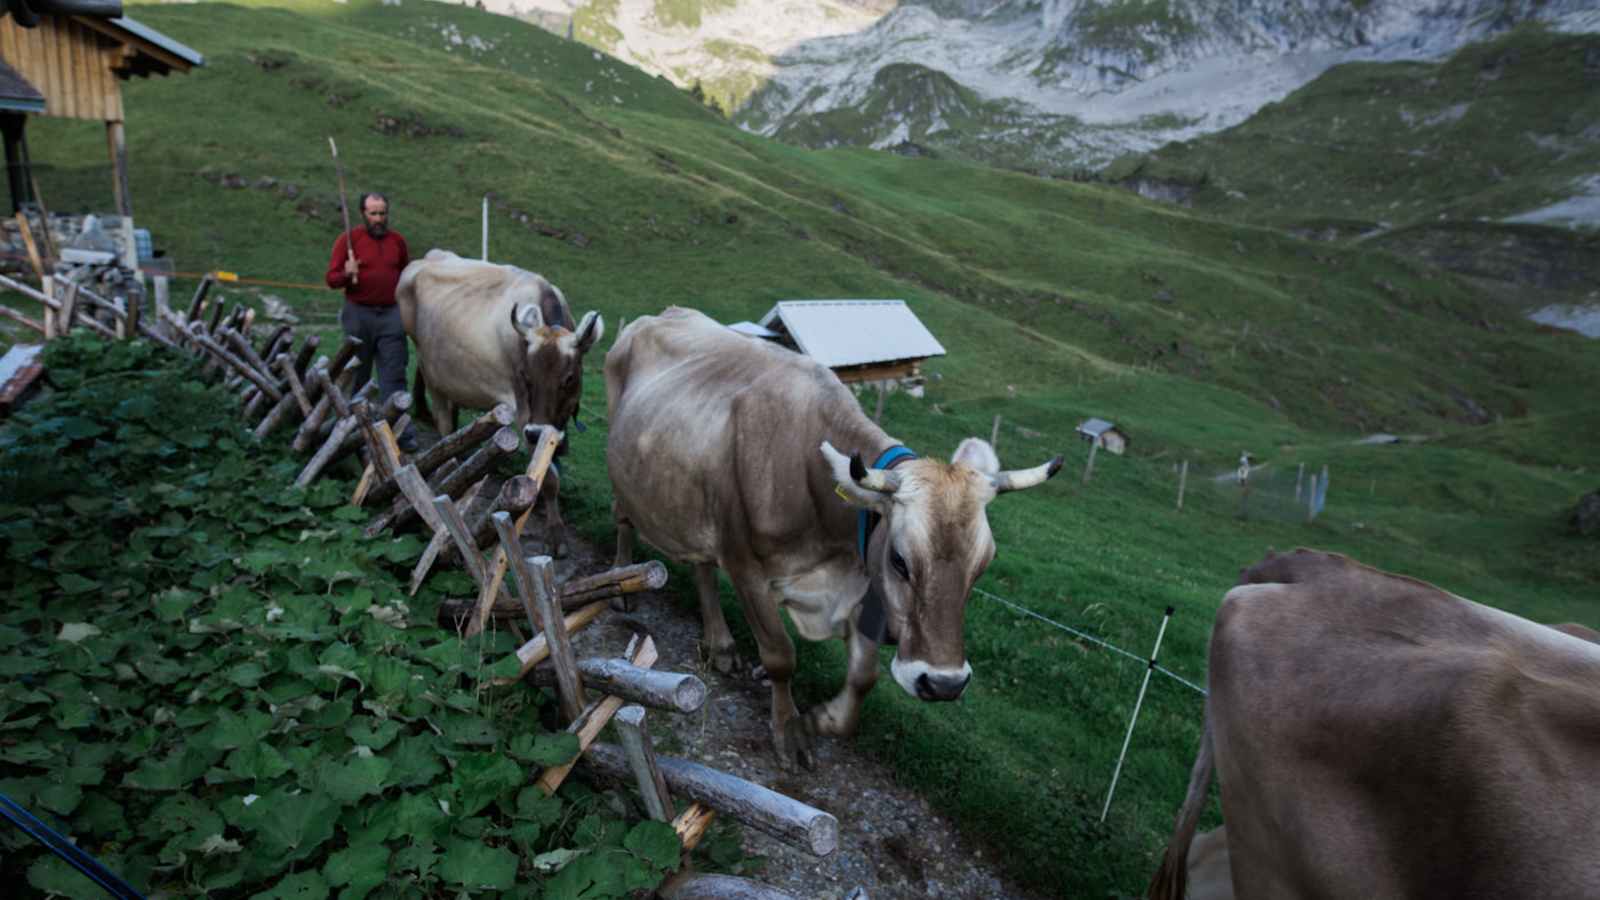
(366, 264)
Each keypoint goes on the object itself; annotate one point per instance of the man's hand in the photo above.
(350, 268)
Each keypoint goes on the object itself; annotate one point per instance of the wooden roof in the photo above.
(76, 62)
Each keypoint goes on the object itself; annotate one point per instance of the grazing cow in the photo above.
(722, 454)
(489, 334)
(1378, 737)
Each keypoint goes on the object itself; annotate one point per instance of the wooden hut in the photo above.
(860, 340)
(75, 64)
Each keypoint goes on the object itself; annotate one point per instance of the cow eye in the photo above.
(899, 563)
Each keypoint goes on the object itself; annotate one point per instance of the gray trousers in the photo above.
(383, 341)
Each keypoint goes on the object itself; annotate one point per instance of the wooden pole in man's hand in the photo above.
(344, 207)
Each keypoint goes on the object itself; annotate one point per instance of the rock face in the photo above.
(1061, 83)
(1586, 518)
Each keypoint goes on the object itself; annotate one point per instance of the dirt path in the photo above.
(892, 844)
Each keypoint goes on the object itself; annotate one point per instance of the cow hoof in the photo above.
(795, 745)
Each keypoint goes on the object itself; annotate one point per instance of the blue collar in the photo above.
(873, 622)
(866, 520)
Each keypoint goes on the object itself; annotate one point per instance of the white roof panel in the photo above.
(854, 332)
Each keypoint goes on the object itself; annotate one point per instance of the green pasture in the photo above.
(1201, 337)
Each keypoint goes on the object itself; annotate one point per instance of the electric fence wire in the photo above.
(1092, 639)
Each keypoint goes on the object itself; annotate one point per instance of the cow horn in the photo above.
(525, 317)
(873, 479)
(1019, 479)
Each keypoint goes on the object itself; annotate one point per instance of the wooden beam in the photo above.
(117, 145)
(878, 371)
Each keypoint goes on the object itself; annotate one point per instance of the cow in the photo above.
(1377, 737)
(1210, 877)
(722, 453)
(488, 334)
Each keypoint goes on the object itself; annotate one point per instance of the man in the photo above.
(366, 265)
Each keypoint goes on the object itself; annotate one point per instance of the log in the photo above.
(418, 496)
(642, 759)
(15, 316)
(536, 582)
(320, 403)
(785, 818)
(308, 349)
(440, 539)
(199, 297)
(134, 310)
(537, 650)
(237, 364)
(678, 692)
(243, 349)
(145, 330)
(621, 581)
(517, 493)
(452, 445)
(270, 349)
(692, 823)
(450, 517)
(401, 512)
(543, 455)
(381, 447)
(297, 388)
(69, 306)
(341, 404)
(343, 433)
(511, 544)
(280, 412)
(43, 297)
(588, 726)
(216, 315)
(690, 885)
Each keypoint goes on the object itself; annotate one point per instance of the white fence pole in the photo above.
(1117, 772)
(485, 227)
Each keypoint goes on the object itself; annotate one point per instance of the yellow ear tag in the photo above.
(839, 489)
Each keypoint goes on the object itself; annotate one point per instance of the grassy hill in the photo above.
(1201, 337)
(1426, 159)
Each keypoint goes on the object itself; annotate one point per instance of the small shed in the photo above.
(70, 63)
(860, 340)
(1104, 434)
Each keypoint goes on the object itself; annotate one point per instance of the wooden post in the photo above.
(877, 416)
(1311, 499)
(1299, 476)
(260, 380)
(994, 433)
(217, 311)
(199, 299)
(544, 452)
(400, 512)
(117, 145)
(1183, 481)
(69, 306)
(445, 509)
(135, 308)
(279, 412)
(1088, 467)
(536, 575)
(452, 445)
(49, 286)
(163, 295)
(511, 546)
(32, 248)
(641, 754)
(296, 388)
(587, 727)
(783, 817)
(439, 541)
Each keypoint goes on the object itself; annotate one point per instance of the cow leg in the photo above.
(790, 738)
(624, 537)
(715, 637)
(840, 715)
(555, 536)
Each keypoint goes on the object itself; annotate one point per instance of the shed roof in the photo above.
(853, 332)
(1094, 427)
(16, 94)
(158, 54)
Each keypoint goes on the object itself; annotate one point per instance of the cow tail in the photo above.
(419, 398)
(1171, 880)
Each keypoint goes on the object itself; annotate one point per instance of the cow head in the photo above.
(550, 366)
(930, 548)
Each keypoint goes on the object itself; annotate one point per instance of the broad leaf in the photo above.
(474, 866)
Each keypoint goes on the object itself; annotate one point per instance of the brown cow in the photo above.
(488, 334)
(1378, 737)
(722, 454)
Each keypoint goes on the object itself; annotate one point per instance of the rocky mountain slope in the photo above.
(1056, 85)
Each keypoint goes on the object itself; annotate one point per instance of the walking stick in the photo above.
(349, 240)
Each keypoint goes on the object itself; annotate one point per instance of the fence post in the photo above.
(1299, 476)
(994, 433)
(1311, 499)
(883, 391)
(1135, 718)
(1183, 480)
(1088, 468)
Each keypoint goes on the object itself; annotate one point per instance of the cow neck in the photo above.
(874, 620)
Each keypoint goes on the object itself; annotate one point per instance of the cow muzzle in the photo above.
(929, 683)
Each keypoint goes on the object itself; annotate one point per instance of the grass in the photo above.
(1201, 337)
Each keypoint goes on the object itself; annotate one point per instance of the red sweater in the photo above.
(380, 261)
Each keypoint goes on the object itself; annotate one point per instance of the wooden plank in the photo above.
(441, 537)
(450, 516)
(642, 759)
(30, 246)
(678, 692)
(536, 575)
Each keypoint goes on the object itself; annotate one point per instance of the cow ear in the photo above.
(977, 454)
(525, 317)
(590, 330)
